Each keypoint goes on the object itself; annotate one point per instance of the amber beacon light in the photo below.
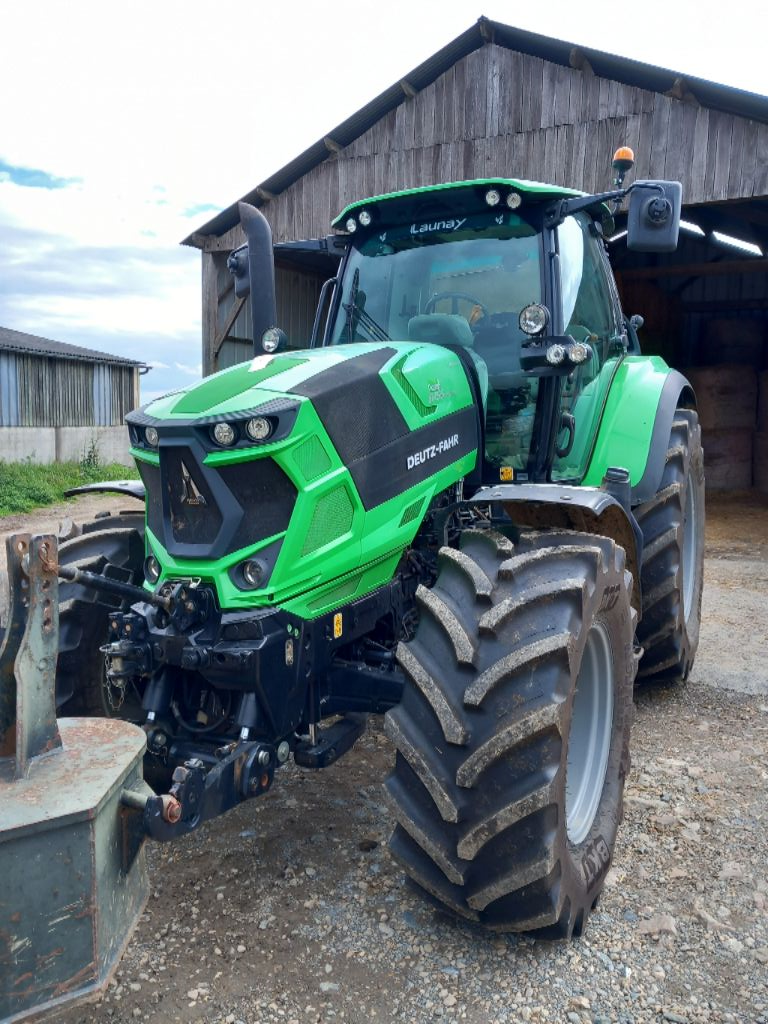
(623, 161)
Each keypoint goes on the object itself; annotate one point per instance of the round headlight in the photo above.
(273, 339)
(534, 318)
(365, 217)
(492, 197)
(578, 352)
(513, 200)
(258, 428)
(151, 569)
(224, 434)
(253, 572)
(151, 437)
(351, 224)
(555, 354)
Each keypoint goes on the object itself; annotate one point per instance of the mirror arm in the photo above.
(563, 208)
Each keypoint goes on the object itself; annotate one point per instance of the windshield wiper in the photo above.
(357, 316)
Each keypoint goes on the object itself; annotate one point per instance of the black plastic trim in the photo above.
(131, 488)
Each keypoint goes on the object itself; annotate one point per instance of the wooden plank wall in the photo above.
(501, 113)
(498, 112)
(297, 297)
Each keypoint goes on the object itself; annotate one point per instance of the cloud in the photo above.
(198, 209)
(192, 371)
(33, 177)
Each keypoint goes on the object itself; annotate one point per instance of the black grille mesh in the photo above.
(265, 494)
(199, 512)
(194, 512)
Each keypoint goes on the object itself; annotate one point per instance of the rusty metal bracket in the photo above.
(28, 688)
(16, 548)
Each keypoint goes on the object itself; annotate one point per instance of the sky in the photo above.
(125, 126)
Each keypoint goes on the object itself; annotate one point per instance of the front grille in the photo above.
(198, 511)
(195, 517)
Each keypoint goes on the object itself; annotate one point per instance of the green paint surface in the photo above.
(624, 436)
(532, 188)
(333, 546)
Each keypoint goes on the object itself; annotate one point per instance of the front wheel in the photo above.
(112, 546)
(512, 736)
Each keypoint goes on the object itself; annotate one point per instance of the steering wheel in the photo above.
(455, 297)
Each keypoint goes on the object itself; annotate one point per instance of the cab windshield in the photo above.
(459, 282)
(474, 266)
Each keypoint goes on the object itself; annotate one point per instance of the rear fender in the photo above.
(584, 509)
(636, 424)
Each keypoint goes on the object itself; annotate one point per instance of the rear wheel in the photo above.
(512, 735)
(673, 557)
(114, 547)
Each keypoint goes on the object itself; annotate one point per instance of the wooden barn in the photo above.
(498, 101)
(57, 400)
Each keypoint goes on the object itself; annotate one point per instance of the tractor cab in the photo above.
(477, 268)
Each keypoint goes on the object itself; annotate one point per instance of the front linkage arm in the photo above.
(246, 770)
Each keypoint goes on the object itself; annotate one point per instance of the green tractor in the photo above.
(469, 504)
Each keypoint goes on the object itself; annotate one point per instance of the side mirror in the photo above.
(653, 223)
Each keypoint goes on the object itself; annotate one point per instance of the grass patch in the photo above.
(28, 485)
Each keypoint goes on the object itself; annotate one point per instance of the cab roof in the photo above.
(416, 202)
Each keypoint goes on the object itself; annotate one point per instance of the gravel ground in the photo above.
(289, 909)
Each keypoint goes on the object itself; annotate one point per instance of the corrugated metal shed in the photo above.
(46, 383)
(18, 341)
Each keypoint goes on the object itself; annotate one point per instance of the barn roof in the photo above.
(30, 344)
(605, 65)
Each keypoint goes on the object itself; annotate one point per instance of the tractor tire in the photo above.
(672, 571)
(512, 737)
(112, 546)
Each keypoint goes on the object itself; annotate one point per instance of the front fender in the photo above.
(636, 424)
(584, 509)
(131, 488)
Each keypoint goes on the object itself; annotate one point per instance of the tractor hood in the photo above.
(304, 461)
(245, 386)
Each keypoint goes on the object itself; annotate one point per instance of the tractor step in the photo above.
(333, 741)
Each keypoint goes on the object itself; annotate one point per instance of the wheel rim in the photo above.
(589, 741)
(690, 523)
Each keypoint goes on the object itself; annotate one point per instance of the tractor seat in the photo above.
(497, 342)
(441, 329)
(453, 331)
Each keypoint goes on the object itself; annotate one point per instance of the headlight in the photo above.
(151, 437)
(351, 225)
(555, 354)
(273, 339)
(224, 434)
(258, 429)
(492, 197)
(534, 318)
(253, 572)
(151, 569)
(514, 199)
(578, 352)
(365, 218)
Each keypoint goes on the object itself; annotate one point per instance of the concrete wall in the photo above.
(63, 444)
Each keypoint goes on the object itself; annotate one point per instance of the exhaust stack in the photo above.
(253, 267)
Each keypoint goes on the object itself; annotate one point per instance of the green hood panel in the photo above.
(377, 431)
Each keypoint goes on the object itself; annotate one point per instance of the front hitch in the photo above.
(245, 771)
